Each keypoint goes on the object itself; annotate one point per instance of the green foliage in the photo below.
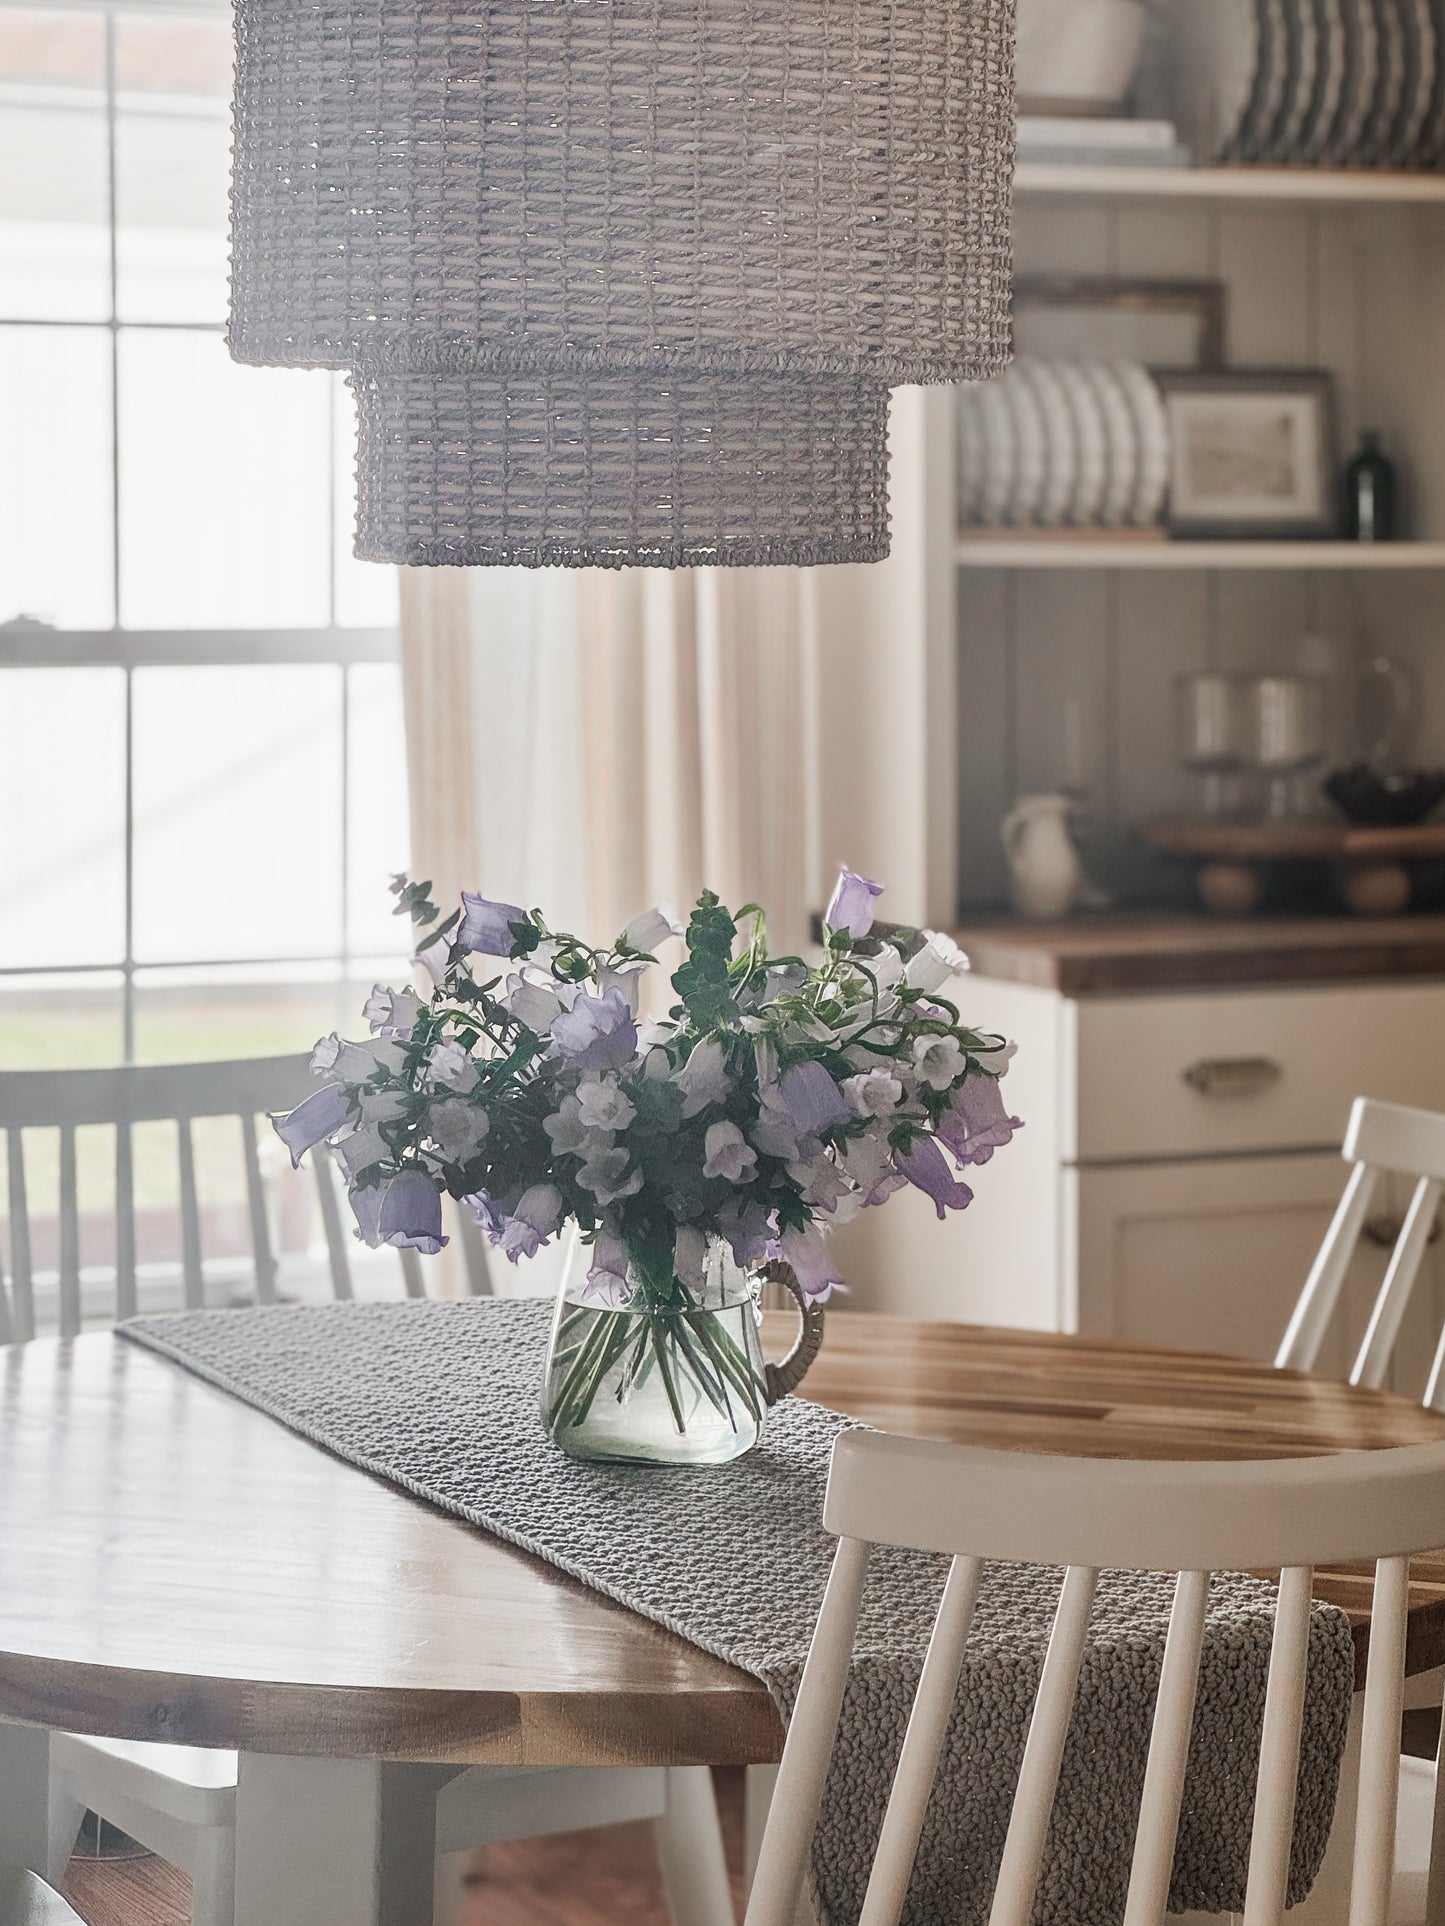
(414, 900)
(704, 982)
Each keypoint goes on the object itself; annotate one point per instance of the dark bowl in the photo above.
(1385, 802)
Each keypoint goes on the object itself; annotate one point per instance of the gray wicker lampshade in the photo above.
(623, 281)
(621, 469)
(725, 184)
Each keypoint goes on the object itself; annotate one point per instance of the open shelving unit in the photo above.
(1261, 186)
(1331, 267)
(993, 550)
(1065, 645)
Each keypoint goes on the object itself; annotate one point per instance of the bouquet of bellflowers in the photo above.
(775, 1100)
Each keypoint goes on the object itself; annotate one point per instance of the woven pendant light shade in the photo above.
(430, 189)
(622, 469)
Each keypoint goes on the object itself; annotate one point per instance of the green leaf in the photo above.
(703, 982)
(413, 899)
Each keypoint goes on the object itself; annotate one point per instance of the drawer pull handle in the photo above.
(1233, 1076)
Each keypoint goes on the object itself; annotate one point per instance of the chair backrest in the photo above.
(67, 1100)
(1382, 1138)
(1088, 1515)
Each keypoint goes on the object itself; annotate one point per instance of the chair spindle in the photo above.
(1274, 1805)
(1374, 1865)
(922, 1744)
(783, 1860)
(1163, 1795)
(265, 1263)
(336, 1253)
(1028, 1831)
(474, 1254)
(193, 1276)
(1306, 1333)
(412, 1274)
(69, 1237)
(1385, 1320)
(22, 1280)
(125, 1259)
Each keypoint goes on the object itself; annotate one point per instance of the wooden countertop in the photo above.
(1107, 955)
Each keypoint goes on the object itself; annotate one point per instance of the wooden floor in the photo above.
(607, 1878)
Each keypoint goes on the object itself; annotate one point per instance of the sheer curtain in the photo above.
(593, 742)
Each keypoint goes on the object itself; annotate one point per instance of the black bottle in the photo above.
(1370, 493)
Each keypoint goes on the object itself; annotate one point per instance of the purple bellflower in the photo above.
(366, 1209)
(750, 1228)
(314, 1119)
(536, 1215)
(851, 908)
(598, 1032)
(811, 1100)
(807, 1252)
(925, 1166)
(977, 1123)
(410, 1217)
(607, 1281)
(392, 1013)
(486, 927)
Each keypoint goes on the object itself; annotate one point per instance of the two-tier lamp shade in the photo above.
(623, 281)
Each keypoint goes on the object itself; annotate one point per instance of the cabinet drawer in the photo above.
(1205, 1074)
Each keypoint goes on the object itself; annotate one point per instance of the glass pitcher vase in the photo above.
(671, 1373)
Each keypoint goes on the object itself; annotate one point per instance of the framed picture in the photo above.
(1252, 453)
(1109, 317)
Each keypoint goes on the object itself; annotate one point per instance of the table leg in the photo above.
(758, 1787)
(335, 1842)
(690, 1847)
(24, 1796)
(758, 1784)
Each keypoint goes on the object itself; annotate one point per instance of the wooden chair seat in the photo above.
(26, 1900)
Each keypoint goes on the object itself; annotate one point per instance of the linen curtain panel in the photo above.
(592, 743)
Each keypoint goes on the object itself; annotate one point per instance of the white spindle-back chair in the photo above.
(180, 1800)
(1382, 1139)
(1087, 1515)
(65, 1101)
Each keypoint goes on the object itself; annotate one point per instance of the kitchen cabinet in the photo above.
(1180, 1159)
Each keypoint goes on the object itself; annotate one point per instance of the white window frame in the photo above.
(37, 645)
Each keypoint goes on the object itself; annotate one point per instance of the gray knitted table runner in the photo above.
(441, 1399)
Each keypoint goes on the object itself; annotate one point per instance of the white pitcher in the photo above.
(1045, 865)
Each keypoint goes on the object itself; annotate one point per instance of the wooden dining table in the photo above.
(175, 1565)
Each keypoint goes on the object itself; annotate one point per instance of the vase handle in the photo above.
(786, 1377)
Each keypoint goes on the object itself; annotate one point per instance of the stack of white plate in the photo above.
(1326, 83)
(1063, 444)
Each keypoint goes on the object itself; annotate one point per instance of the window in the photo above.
(202, 790)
